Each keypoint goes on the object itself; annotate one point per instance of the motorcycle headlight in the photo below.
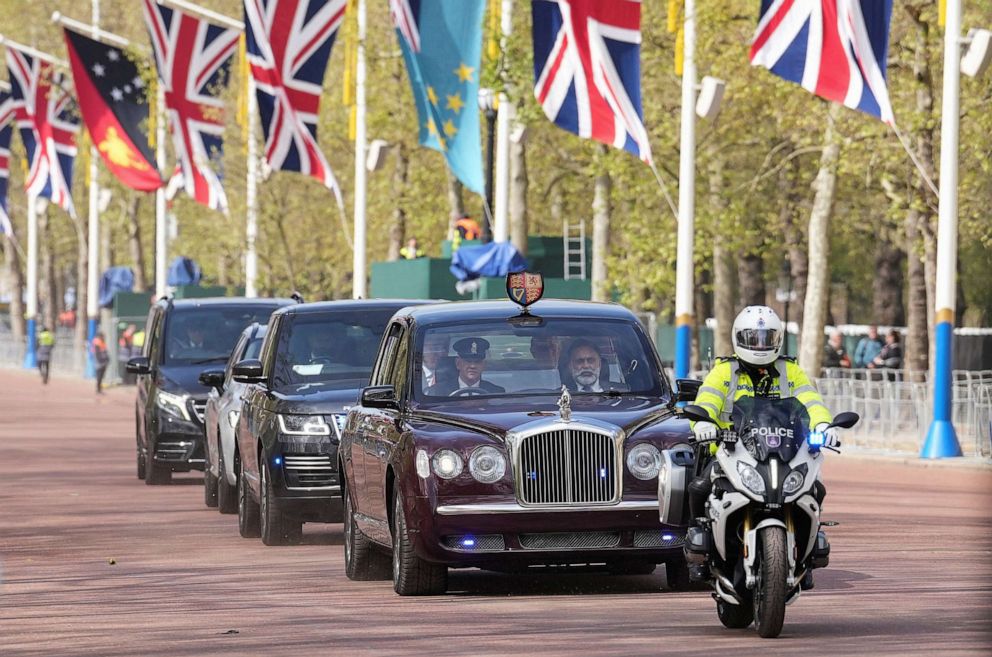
(303, 425)
(793, 482)
(447, 464)
(174, 405)
(644, 461)
(751, 478)
(232, 418)
(487, 465)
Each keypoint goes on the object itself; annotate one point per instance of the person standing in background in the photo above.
(46, 343)
(868, 347)
(834, 354)
(101, 357)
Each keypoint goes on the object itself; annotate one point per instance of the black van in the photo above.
(183, 338)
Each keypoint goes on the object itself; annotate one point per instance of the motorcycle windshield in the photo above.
(768, 426)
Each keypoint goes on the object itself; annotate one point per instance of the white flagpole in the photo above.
(504, 118)
(687, 199)
(93, 245)
(359, 265)
(942, 441)
(31, 311)
(161, 246)
(251, 197)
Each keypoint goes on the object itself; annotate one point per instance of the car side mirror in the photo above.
(696, 413)
(380, 397)
(845, 420)
(248, 370)
(212, 379)
(138, 365)
(686, 389)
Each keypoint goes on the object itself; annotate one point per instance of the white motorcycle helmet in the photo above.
(757, 335)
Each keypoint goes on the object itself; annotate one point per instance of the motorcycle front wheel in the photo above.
(769, 591)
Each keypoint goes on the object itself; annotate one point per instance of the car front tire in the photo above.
(362, 562)
(411, 574)
(157, 474)
(276, 527)
(248, 512)
(677, 574)
(227, 495)
(209, 488)
(141, 465)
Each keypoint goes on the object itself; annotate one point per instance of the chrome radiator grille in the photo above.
(309, 471)
(199, 407)
(567, 466)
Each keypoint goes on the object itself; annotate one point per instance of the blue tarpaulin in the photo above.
(183, 271)
(114, 280)
(496, 259)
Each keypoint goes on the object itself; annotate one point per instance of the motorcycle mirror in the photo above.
(845, 420)
(696, 413)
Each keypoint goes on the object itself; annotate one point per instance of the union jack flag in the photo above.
(836, 49)
(6, 115)
(193, 58)
(405, 14)
(45, 115)
(288, 45)
(587, 66)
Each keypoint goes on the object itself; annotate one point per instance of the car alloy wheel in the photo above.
(411, 574)
(248, 513)
(362, 561)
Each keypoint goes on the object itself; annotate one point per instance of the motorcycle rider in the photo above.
(756, 369)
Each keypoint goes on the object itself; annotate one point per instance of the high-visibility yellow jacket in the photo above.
(728, 381)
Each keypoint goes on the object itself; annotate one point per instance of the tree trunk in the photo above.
(397, 231)
(724, 266)
(134, 241)
(600, 233)
(915, 354)
(16, 278)
(887, 284)
(82, 282)
(518, 196)
(751, 277)
(456, 201)
(47, 288)
(795, 239)
(818, 281)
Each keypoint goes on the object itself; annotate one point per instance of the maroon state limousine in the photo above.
(503, 439)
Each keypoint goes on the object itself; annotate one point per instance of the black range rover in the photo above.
(315, 358)
(183, 338)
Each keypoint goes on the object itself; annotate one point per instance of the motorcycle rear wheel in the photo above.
(770, 589)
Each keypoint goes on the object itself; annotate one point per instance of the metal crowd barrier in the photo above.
(66, 359)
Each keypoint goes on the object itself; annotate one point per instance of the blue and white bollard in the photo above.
(90, 372)
(31, 353)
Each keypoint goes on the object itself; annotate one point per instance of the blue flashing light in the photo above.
(277, 460)
(667, 537)
(602, 473)
(532, 475)
(468, 541)
(816, 439)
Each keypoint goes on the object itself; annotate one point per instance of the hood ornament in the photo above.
(565, 405)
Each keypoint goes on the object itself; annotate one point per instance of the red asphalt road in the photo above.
(93, 562)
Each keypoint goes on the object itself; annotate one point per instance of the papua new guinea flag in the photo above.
(114, 106)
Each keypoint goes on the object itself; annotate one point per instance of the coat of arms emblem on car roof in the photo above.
(565, 405)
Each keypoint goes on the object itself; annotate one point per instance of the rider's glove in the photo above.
(830, 437)
(704, 431)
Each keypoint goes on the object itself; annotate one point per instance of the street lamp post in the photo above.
(487, 103)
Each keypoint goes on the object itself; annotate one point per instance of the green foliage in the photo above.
(768, 138)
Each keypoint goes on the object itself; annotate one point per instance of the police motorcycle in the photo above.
(763, 514)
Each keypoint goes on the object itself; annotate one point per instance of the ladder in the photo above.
(574, 238)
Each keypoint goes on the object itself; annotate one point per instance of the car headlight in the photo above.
(644, 461)
(232, 418)
(487, 465)
(751, 478)
(793, 482)
(448, 464)
(174, 405)
(304, 425)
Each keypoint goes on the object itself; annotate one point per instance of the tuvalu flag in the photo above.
(114, 106)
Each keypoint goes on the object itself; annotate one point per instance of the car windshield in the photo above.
(201, 335)
(501, 358)
(335, 349)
